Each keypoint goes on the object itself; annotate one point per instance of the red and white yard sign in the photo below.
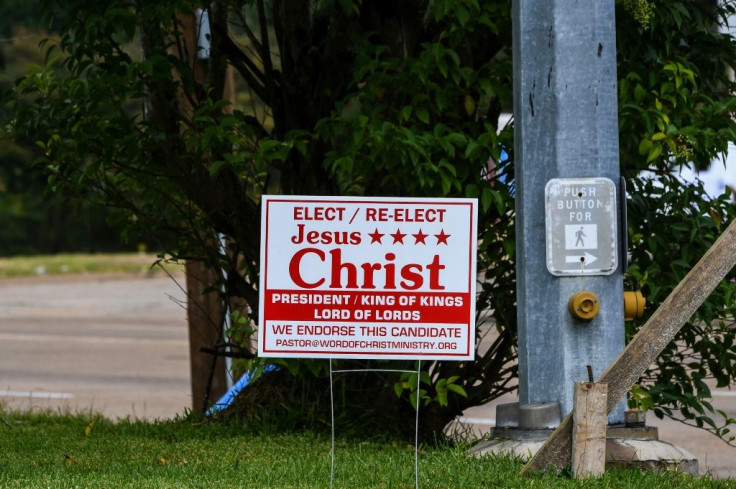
(367, 278)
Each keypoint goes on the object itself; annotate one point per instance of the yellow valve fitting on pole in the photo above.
(634, 303)
(584, 305)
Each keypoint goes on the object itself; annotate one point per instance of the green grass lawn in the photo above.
(65, 451)
(23, 266)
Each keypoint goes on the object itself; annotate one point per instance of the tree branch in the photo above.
(241, 62)
(228, 354)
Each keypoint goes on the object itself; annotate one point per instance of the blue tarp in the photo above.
(229, 397)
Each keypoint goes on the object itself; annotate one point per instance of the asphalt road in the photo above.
(118, 345)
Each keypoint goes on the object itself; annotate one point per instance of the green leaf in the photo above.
(457, 389)
(406, 113)
(658, 136)
(398, 388)
(654, 153)
(469, 105)
(471, 191)
(442, 397)
(215, 167)
(639, 94)
(463, 16)
(645, 145)
(423, 115)
(471, 149)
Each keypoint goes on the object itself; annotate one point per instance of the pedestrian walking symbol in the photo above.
(581, 236)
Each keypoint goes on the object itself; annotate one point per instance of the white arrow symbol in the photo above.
(585, 259)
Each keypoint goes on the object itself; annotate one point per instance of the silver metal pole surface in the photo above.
(566, 123)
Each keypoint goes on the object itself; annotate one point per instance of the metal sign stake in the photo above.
(416, 420)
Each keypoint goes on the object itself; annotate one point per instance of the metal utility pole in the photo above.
(565, 109)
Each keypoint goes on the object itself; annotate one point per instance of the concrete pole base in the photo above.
(625, 447)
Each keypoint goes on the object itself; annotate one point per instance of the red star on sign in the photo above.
(375, 236)
(419, 237)
(442, 237)
(398, 236)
